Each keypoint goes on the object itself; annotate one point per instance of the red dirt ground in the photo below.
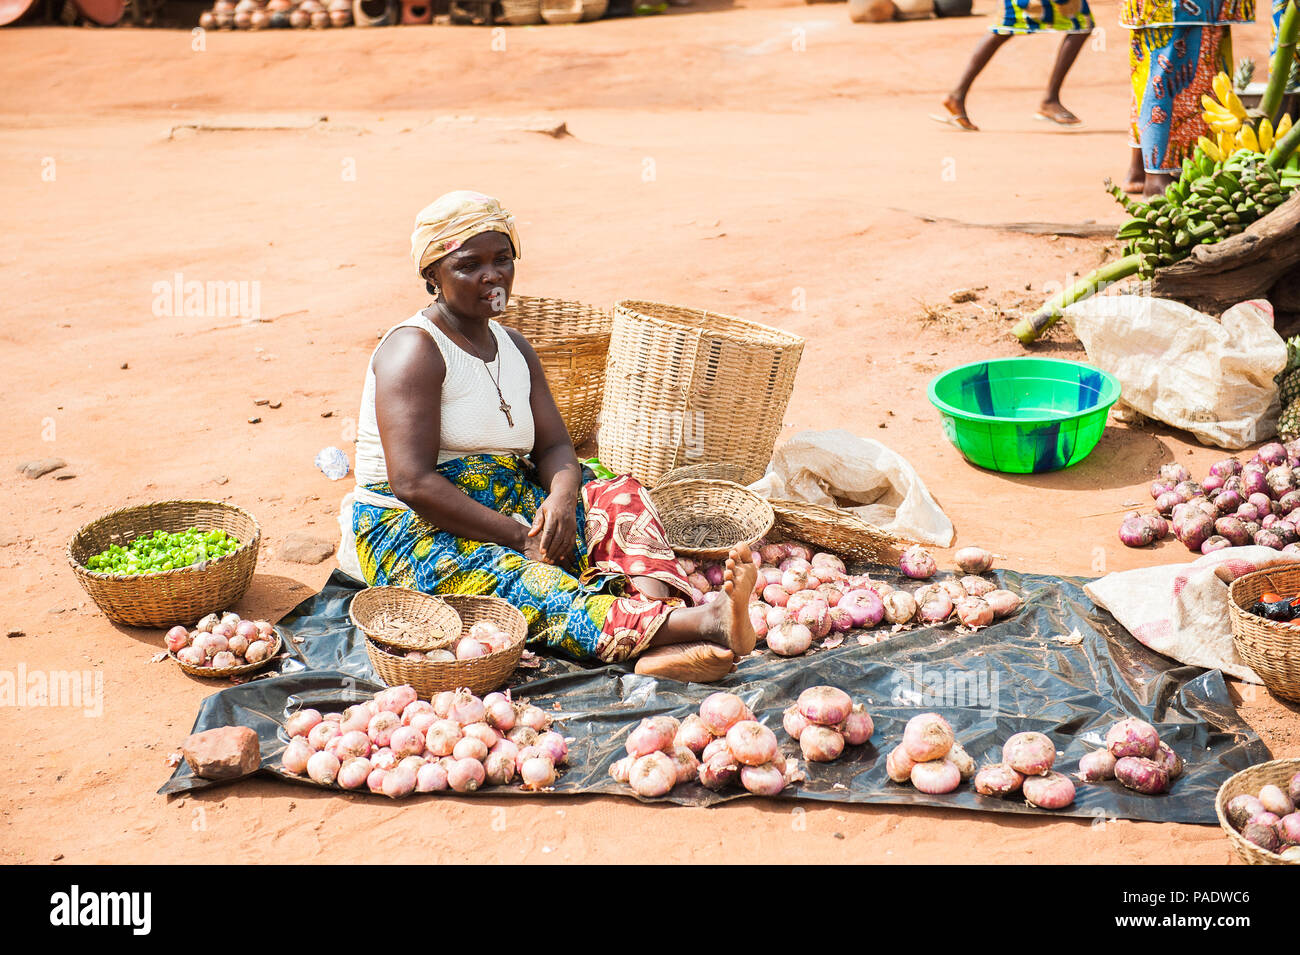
(791, 155)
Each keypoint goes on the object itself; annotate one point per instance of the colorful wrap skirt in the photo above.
(1172, 66)
(1036, 16)
(592, 612)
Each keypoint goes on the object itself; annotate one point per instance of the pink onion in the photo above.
(483, 733)
(395, 699)
(917, 563)
(752, 743)
(301, 723)
(356, 718)
(765, 780)
(899, 765)
(823, 559)
(323, 768)
(1132, 737)
(974, 612)
(719, 745)
(534, 717)
(1289, 828)
(191, 656)
(973, 560)
(793, 721)
(1241, 809)
(865, 606)
(257, 651)
(296, 755)
(467, 648)
(322, 733)
(758, 619)
(1171, 761)
(442, 737)
(857, 726)
(354, 743)
(816, 617)
(977, 586)
(225, 659)
(465, 708)
(1003, 602)
(554, 746)
(354, 772)
(499, 714)
(1052, 791)
(1141, 774)
(794, 580)
(653, 774)
(718, 769)
(176, 638)
(523, 736)
(698, 581)
(431, 778)
(384, 759)
(467, 747)
(713, 573)
(621, 769)
(799, 551)
(466, 775)
(998, 779)
(936, 776)
(1263, 835)
(1275, 800)
(414, 709)
(1097, 766)
(382, 726)
(927, 737)
(776, 616)
(693, 734)
(826, 705)
(937, 608)
(958, 756)
(899, 607)
(499, 768)
(841, 620)
(1033, 754)
(648, 738)
(688, 767)
(820, 744)
(405, 742)
(721, 711)
(399, 783)
(789, 639)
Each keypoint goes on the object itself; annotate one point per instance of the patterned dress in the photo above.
(1036, 16)
(1176, 49)
(593, 612)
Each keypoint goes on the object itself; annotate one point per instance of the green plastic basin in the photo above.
(1024, 415)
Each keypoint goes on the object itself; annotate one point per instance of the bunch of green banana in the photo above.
(1209, 202)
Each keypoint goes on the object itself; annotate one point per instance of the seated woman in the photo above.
(468, 482)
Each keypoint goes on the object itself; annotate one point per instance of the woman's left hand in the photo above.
(557, 523)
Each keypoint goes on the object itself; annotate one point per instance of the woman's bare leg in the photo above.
(956, 100)
(1051, 107)
(1135, 179)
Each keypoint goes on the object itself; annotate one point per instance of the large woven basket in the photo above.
(705, 519)
(522, 13)
(704, 472)
(405, 619)
(686, 386)
(1248, 782)
(838, 531)
(481, 675)
(175, 596)
(1269, 648)
(572, 343)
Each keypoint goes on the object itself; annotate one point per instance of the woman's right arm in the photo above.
(409, 373)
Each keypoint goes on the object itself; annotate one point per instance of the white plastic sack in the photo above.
(821, 466)
(1182, 367)
(1181, 610)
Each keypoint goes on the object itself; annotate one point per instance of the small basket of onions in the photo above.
(439, 643)
(1257, 811)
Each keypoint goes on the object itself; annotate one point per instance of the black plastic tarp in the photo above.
(1010, 677)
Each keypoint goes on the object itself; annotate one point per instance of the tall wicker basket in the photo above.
(685, 386)
(572, 342)
(1269, 648)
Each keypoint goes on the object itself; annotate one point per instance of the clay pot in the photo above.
(320, 20)
(300, 19)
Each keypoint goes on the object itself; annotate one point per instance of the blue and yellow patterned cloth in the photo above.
(1036, 16)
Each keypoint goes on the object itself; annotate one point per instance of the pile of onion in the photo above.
(1269, 819)
(1136, 756)
(721, 745)
(929, 756)
(803, 596)
(1026, 768)
(481, 639)
(823, 720)
(221, 641)
(398, 744)
(1234, 506)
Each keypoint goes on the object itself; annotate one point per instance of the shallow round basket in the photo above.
(1269, 648)
(1248, 782)
(175, 596)
(705, 472)
(405, 619)
(225, 673)
(481, 675)
(838, 531)
(1024, 415)
(705, 519)
(572, 343)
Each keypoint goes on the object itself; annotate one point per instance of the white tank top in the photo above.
(472, 420)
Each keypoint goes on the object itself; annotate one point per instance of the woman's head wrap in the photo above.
(449, 221)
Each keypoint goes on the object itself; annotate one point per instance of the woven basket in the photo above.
(1269, 648)
(1248, 782)
(704, 472)
(213, 673)
(481, 675)
(572, 343)
(561, 11)
(594, 9)
(838, 531)
(727, 513)
(685, 386)
(404, 618)
(522, 13)
(175, 596)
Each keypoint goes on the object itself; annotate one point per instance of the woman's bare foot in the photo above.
(1157, 183)
(957, 111)
(1053, 110)
(699, 662)
(738, 579)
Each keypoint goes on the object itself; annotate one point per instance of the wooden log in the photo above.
(1245, 266)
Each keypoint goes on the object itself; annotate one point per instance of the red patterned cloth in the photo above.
(625, 536)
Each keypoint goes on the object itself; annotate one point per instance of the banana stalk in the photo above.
(1284, 147)
(1279, 71)
(1030, 328)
